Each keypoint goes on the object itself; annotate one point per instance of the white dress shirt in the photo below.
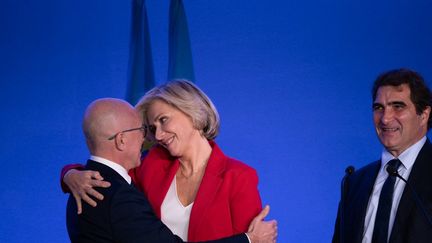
(407, 158)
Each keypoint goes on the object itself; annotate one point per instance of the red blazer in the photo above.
(227, 199)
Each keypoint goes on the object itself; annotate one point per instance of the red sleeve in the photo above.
(245, 200)
(63, 172)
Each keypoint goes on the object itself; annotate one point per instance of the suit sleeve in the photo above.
(336, 232)
(63, 172)
(245, 201)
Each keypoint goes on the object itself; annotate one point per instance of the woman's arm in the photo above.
(245, 202)
(64, 171)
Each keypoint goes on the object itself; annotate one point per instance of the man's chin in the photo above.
(392, 148)
(138, 163)
(389, 141)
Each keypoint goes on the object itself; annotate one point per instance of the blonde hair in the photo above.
(189, 99)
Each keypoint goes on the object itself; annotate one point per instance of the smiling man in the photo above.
(380, 208)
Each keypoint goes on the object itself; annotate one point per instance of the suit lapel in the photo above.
(359, 191)
(208, 189)
(421, 180)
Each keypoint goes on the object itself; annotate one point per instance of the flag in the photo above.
(140, 68)
(180, 55)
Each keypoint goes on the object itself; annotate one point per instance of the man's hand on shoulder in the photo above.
(262, 231)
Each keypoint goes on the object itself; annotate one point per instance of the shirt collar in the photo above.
(407, 157)
(113, 165)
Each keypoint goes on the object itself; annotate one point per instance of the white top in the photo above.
(407, 158)
(174, 214)
(113, 165)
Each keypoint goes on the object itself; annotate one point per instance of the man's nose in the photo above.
(387, 115)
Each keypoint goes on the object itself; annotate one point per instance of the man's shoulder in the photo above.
(371, 166)
(366, 172)
(110, 175)
(106, 172)
(426, 150)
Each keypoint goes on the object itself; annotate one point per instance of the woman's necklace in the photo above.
(193, 173)
(187, 177)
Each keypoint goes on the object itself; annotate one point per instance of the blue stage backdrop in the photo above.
(291, 80)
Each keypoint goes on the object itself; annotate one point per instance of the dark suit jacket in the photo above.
(410, 224)
(124, 215)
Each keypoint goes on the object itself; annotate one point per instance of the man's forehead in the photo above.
(400, 87)
(402, 90)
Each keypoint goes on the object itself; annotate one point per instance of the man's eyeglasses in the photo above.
(143, 129)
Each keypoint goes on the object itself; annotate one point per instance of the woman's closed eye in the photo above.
(163, 119)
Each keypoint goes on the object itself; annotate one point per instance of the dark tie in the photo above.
(380, 232)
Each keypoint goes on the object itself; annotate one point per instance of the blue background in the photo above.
(291, 80)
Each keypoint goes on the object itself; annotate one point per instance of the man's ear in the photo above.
(425, 115)
(120, 141)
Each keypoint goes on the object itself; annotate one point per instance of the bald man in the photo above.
(114, 135)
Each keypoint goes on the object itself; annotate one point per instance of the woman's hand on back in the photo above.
(81, 185)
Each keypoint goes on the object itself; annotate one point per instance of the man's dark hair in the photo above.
(420, 94)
